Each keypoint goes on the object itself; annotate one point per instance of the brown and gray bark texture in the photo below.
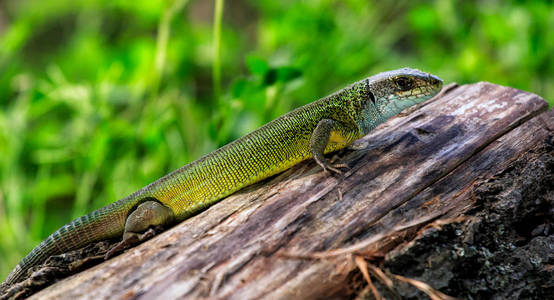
(457, 193)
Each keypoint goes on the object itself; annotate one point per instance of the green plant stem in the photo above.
(162, 41)
(216, 68)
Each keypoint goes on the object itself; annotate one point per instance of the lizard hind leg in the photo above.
(139, 222)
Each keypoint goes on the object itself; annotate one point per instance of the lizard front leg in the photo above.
(139, 222)
(329, 132)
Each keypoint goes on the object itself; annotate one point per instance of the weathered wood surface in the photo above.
(416, 168)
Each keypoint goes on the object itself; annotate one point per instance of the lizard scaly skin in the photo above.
(323, 126)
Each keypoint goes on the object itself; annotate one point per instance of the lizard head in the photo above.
(396, 90)
(388, 93)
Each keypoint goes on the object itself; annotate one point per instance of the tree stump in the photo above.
(456, 193)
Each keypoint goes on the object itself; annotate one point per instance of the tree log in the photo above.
(445, 194)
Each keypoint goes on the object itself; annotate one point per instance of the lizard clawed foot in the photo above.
(328, 168)
(335, 168)
(131, 239)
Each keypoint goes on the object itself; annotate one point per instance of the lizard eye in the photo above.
(403, 83)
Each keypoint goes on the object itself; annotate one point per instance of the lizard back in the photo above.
(271, 149)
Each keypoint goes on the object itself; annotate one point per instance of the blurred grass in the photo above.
(99, 98)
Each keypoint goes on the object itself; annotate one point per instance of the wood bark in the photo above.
(293, 236)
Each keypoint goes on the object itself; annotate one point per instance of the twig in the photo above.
(362, 265)
(424, 287)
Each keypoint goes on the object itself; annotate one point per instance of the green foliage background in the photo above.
(100, 97)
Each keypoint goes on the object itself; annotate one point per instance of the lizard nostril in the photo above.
(434, 80)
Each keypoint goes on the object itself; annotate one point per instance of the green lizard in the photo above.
(323, 126)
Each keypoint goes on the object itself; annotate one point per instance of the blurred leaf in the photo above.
(256, 65)
(270, 77)
(239, 87)
(285, 74)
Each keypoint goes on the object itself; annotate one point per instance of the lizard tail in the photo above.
(104, 223)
